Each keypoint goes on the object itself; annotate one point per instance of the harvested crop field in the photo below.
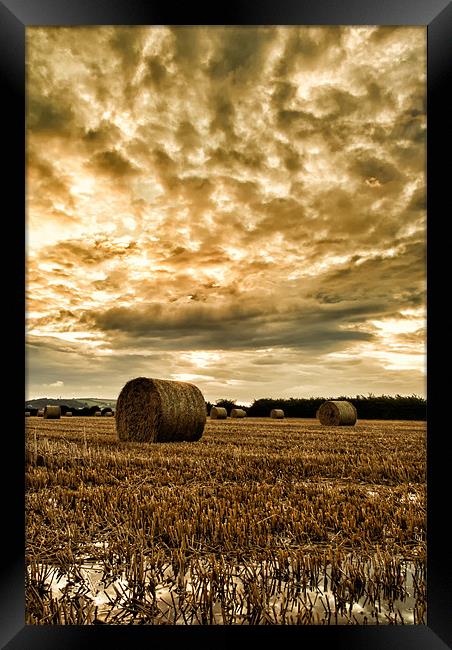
(261, 521)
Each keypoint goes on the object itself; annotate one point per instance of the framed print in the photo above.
(230, 256)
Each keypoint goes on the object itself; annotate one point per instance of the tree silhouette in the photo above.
(228, 404)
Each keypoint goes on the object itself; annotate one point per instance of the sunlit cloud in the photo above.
(241, 207)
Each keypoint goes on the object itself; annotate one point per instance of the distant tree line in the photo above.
(370, 407)
(85, 411)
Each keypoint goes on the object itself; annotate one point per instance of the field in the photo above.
(260, 522)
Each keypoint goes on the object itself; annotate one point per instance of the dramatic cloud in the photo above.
(239, 207)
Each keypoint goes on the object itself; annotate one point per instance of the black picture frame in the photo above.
(436, 16)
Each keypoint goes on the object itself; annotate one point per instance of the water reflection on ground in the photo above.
(355, 591)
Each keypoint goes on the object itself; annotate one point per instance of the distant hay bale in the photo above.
(238, 413)
(52, 412)
(94, 410)
(218, 413)
(277, 414)
(158, 410)
(27, 414)
(40, 413)
(68, 414)
(97, 414)
(106, 411)
(337, 413)
(108, 414)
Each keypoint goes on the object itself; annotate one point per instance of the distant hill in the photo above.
(75, 403)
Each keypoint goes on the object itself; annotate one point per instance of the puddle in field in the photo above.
(193, 599)
(405, 498)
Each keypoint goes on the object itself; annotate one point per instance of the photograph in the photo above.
(226, 398)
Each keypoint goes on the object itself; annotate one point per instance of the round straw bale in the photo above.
(27, 414)
(337, 413)
(109, 414)
(40, 413)
(68, 414)
(158, 410)
(238, 413)
(97, 414)
(277, 413)
(218, 413)
(52, 412)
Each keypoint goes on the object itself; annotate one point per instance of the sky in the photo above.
(243, 208)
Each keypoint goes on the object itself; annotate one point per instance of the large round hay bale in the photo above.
(158, 410)
(68, 414)
(97, 414)
(336, 413)
(52, 412)
(237, 413)
(218, 413)
(277, 414)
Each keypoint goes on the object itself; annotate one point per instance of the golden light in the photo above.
(186, 376)
(201, 358)
(236, 254)
(70, 337)
(390, 326)
(116, 233)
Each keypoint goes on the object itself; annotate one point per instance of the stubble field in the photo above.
(260, 522)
